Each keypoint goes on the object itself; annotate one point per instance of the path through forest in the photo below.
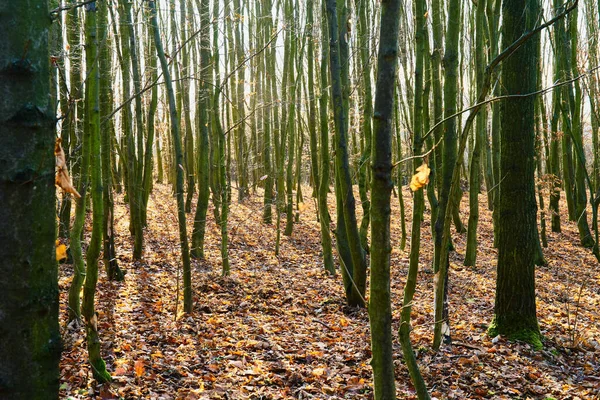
(278, 327)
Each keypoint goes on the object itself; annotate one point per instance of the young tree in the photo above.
(175, 133)
(380, 309)
(203, 105)
(92, 135)
(30, 344)
(108, 229)
(347, 230)
(325, 218)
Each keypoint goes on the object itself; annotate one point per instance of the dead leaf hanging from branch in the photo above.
(63, 180)
(421, 178)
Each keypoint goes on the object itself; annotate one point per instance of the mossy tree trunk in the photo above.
(184, 87)
(152, 74)
(418, 206)
(30, 344)
(92, 129)
(448, 155)
(203, 106)
(266, 28)
(367, 114)
(480, 133)
(291, 118)
(515, 308)
(137, 189)
(324, 217)
(346, 203)
(380, 308)
(175, 133)
(108, 229)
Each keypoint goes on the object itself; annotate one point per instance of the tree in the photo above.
(353, 259)
(515, 308)
(92, 136)
(380, 308)
(448, 157)
(108, 229)
(480, 133)
(30, 344)
(418, 206)
(203, 155)
(176, 135)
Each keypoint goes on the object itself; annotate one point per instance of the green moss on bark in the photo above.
(522, 330)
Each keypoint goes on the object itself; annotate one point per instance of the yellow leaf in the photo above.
(421, 178)
(61, 251)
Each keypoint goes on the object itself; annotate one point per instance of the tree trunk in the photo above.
(92, 130)
(380, 308)
(203, 106)
(515, 309)
(185, 254)
(30, 345)
(346, 197)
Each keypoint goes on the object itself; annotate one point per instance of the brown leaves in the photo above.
(421, 178)
(278, 328)
(63, 180)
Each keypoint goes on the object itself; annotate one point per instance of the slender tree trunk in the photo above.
(449, 154)
(380, 309)
(203, 105)
(108, 229)
(418, 206)
(325, 218)
(363, 171)
(92, 129)
(185, 255)
(346, 197)
(480, 133)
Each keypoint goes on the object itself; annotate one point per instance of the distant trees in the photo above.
(30, 339)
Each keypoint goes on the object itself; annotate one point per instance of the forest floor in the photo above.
(278, 327)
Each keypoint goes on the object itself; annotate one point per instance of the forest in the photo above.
(290, 199)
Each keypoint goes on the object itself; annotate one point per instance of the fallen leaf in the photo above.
(139, 368)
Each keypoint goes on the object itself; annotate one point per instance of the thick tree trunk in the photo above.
(515, 309)
(30, 344)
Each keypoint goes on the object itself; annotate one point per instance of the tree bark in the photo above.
(30, 345)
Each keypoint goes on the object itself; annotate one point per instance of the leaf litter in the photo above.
(278, 327)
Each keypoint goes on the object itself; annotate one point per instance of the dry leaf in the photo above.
(63, 180)
(139, 368)
(61, 251)
(421, 178)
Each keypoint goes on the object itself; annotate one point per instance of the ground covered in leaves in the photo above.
(278, 327)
